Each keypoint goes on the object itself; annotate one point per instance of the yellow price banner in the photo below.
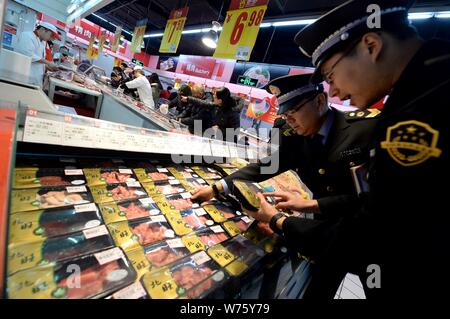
(116, 42)
(173, 31)
(138, 35)
(102, 41)
(240, 29)
(92, 52)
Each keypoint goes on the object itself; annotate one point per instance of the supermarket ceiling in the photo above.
(273, 45)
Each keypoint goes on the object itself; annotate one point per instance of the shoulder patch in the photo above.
(366, 114)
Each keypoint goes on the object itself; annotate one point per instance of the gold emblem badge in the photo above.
(275, 90)
(411, 143)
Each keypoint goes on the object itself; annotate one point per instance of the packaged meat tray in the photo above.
(196, 218)
(246, 193)
(117, 192)
(47, 177)
(26, 163)
(207, 172)
(130, 235)
(139, 261)
(169, 187)
(181, 201)
(179, 226)
(108, 176)
(133, 291)
(166, 252)
(100, 275)
(153, 174)
(182, 172)
(114, 163)
(236, 255)
(193, 184)
(220, 211)
(204, 238)
(193, 277)
(42, 224)
(238, 225)
(129, 210)
(31, 254)
(49, 197)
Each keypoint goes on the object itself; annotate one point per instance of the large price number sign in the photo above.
(239, 33)
(173, 31)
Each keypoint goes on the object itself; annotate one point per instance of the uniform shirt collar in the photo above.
(324, 131)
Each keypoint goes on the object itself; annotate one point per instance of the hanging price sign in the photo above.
(116, 42)
(92, 52)
(102, 41)
(173, 31)
(138, 35)
(240, 29)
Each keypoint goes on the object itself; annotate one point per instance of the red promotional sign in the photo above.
(198, 66)
(85, 30)
(264, 110)
(241, 4)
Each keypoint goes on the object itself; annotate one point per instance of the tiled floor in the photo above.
(350, 288)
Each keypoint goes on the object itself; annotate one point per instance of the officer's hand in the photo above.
(203, 194)
(265, 213)
(294, 201)
(183, 98)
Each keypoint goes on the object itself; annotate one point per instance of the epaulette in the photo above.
(366, 114)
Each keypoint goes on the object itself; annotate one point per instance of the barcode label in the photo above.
(85, 208)
(217, 229)
(242, 52)
(125, 171)
(175, 243)
(109, 255)
(71, 172)
(133, 184)
(200, 258)
(76, 189)
(95, 232)
(158, 219)
(199, 212)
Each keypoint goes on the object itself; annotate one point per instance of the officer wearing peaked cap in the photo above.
(321, 144)
(366, 50)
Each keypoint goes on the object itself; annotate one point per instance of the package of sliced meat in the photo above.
(109, 176)
(207, 172)
(129, 210)
(118, 192)
(205, 238)
(31, 254)
(196, 218)
(236, 255)
(168, 187)
(133, 234)
(237, 225)
(49, 197)
(246, 194)
(153, 174)
(220, 211)
(181, 201)
(166, 252)
(52, 222)
(182, 172)
(47, 177)
(91, 276)
(194, 277)
(193, 184)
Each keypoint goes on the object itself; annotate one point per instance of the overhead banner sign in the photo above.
(92, 52)
(138, 35)
(102, 41)
(116, 42)
(173, 31)
(240, 29)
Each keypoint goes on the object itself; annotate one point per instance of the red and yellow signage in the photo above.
(138, 35)
(102, 41)
(116, 42)
(240, 29)
(174, 28)
(92, 52)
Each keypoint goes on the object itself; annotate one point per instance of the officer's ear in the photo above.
(372, 43)
(322, 100)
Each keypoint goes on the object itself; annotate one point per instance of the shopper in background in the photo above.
(225, 117)
(165, 94)
(143, 87)
(156, 87)
(118, 78)
(32, 44)
(127, 71)
(199, 113)
(181, 105)
(173, 94)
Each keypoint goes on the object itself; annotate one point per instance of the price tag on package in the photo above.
(200, 258)
(71, 172)
(240, 29)
(109, 255)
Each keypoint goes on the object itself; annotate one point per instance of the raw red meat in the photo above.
(149, 232)
(158, 176)
(180, 204)
(115, 177)
(134, 211)
(121, 193)
(188, 277)
(163, 256)
(213, 239)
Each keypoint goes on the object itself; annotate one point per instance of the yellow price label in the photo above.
(193, 243)
(236, 268)
(172, 35)
(24, 256)
(24, 227)
(92, 52)
(160, 285)
(215, 214)
(221, 255)
(142, 175)
(239, 33)
(232, 228)
(111, 213)
(176, 221)
(36, 283)
(123, 236)
(139, 261)
(138, 35)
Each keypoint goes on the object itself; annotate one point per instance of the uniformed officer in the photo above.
(321, 143)
(367, 50)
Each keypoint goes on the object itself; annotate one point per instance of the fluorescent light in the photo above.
(192, 31)
(420, 15)
(442, 15)
(293, 22)
(113, 24)
(99, 17)
(154, 35)
(127, 32)
(265, 25)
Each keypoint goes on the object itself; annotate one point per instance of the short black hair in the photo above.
(169, 88)
(124, 65)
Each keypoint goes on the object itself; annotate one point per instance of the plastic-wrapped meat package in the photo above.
(138, 209)
(169, 189)
(181, 201)
(122, 192)
(165, 253)
(47, 177)
(213, 239)
(150, 232)
(196, 221)
(207, 173)
(188, 277)
(117, 192)
(115, 177)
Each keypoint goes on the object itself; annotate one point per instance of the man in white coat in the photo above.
(143, 87)
(32, 44)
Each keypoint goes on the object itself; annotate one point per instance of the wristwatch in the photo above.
(273, 223)
(216, 190)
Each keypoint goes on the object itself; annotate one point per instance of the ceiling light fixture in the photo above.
(211, 37)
